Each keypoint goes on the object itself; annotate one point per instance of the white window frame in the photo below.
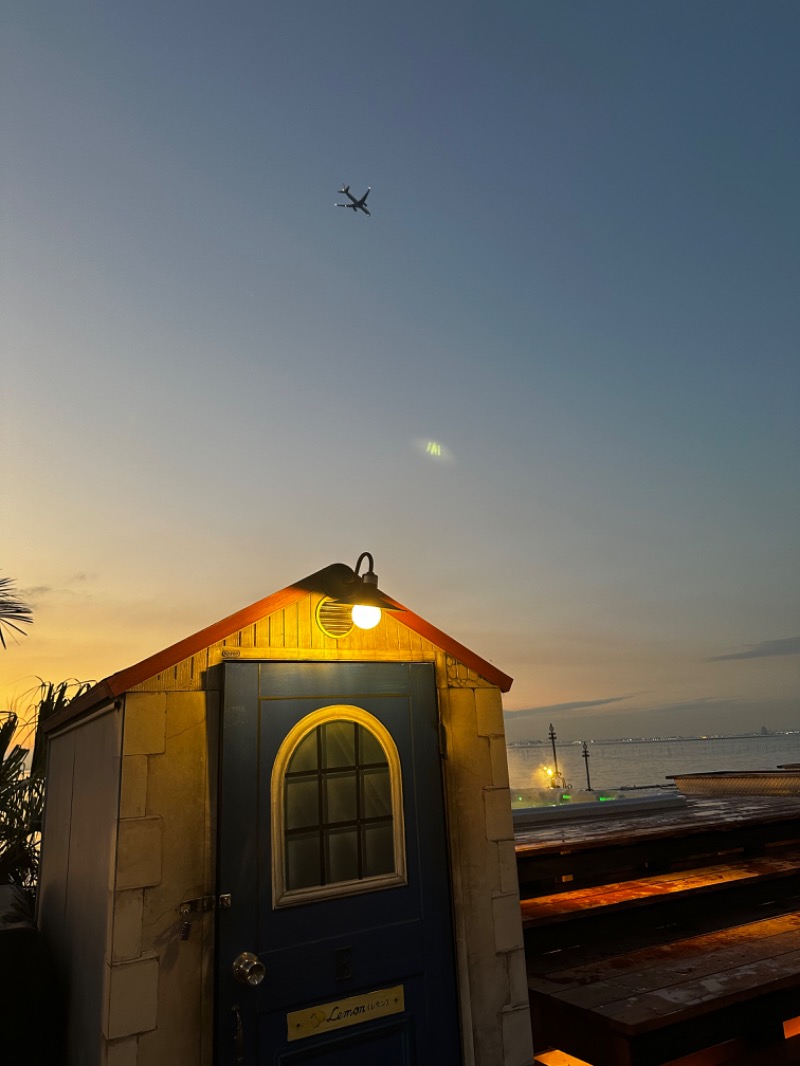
(285, 897)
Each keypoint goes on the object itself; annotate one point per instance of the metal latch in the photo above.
(199, 904)
(192, 906)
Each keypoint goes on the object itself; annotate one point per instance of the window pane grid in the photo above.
(353, 804)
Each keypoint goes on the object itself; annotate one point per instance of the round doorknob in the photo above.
(248, 969)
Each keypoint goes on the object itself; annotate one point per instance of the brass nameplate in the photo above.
(343, 1012)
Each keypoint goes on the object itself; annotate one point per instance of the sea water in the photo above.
(642, 763)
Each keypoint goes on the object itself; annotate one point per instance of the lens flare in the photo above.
(434, 450)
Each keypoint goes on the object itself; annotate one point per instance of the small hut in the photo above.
(288, 839)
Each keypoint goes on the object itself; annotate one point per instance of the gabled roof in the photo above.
(115, 685)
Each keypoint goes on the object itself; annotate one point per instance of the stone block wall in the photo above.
(159, 1005)
(490, 949)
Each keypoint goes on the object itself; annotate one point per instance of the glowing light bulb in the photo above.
(366, 617)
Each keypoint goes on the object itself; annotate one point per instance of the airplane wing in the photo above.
(364, 197)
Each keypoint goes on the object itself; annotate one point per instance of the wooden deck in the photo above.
(631, 967)
(614, 849)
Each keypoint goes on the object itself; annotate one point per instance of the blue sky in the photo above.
(580, 276)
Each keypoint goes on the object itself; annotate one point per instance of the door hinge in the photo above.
(442, 740)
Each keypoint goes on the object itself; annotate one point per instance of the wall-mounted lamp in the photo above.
(359, 591)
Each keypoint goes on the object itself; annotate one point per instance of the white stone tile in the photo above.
(499, 753)
(122, 1052)
(127, 936)
(145, 723)
(133, 789)
(177, 1040)
(133, 998)
(517, 1040)
(499, 824)
(461, 710)
(139, 853)
(507, 923)
(489, 710)
(507, 857)
(518, 978)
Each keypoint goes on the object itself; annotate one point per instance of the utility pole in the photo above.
(556, 775)
(585, 757)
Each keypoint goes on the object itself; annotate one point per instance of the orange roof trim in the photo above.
(115, 685)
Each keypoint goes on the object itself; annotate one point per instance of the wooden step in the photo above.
(624, 895)
(732, 1053)
(706, 831)
(654, 1004)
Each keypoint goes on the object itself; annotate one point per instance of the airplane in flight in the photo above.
(356, 204)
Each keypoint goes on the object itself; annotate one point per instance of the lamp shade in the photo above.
(347, 586)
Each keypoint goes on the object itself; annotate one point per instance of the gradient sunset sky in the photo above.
(580, 277)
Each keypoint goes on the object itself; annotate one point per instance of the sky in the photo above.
(579, 279)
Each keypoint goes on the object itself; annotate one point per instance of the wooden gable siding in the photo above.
(292, 633)
(289, 634)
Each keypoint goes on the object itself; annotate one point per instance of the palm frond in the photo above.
(13, 612)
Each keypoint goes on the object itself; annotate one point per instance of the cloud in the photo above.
(700, 703)
(37, 590)
(559, 708)
(767, 649)
(39, 595)
(702, 715)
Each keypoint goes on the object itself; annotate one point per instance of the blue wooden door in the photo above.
(333, 851)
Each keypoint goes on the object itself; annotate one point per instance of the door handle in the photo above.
(238, 1036)
(248, 969)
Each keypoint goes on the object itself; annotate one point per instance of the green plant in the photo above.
(15, 864)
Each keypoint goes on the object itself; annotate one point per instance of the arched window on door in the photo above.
(337, 808)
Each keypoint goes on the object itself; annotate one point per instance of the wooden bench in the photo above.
(709, 831)
(654, 939)
(650, 1005)
(665, 896)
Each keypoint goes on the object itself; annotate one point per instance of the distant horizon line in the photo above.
(650, 740)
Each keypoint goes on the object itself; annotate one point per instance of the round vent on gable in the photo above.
(333, 618)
